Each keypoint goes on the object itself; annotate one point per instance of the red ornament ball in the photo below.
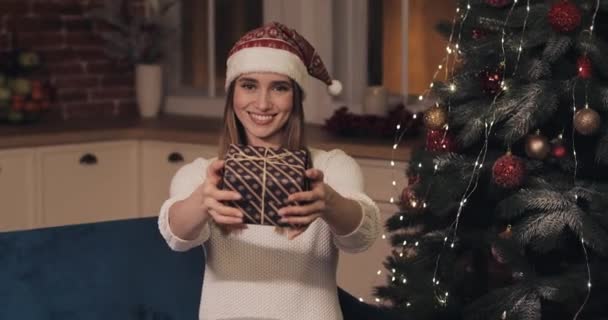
(498, 3)
(584, 67)
(409, 200)
(491, 81)
(509, 171)
(558, 151)
(440, 141)
(564, 16)
(479, 34)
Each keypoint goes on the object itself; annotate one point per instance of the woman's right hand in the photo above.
(209, 198)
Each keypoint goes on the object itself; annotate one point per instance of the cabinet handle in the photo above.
(175, 157)
(88, 159)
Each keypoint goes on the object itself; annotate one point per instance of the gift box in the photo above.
(264, 177)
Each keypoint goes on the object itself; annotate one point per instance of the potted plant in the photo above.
(139, 41)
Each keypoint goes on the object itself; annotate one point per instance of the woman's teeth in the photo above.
(261, 119)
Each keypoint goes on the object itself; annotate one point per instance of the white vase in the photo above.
(148, 89)
(375, 101)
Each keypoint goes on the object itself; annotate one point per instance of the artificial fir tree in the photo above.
(506, 212)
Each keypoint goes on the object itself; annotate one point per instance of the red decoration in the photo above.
(509, 171)
(409, 200)
(348, 124)
(440, 140)
(584, 67)
(558, 151)
(564, 16)
(491, 81)
(479, 34)
(498, 3)
(413, 179)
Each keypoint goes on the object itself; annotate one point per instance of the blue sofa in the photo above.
(119, 270)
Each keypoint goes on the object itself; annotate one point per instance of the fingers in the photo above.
(315, 175)
(301, 220)
(224, 195)
(214, 172)
(317, 206)
(224, 214)
(305, 196)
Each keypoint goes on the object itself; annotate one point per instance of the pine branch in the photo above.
(524, 200)
(557, 46)
(537, 106)
(519, 302)
(601, 153)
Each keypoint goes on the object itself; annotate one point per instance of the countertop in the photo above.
(183, 129)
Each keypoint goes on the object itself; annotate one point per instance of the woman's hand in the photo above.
(209, 198)
(316, 203)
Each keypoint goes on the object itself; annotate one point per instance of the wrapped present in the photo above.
(264, 177)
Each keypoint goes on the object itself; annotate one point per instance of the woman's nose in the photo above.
(264, 101)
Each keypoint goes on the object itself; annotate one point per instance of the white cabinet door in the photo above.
(89, 182)
(18, 192)
(379, 177)
(160, 162)
(358, 273)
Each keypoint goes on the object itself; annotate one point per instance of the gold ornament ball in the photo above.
(586, 121)
(537, 146)
(435, 118)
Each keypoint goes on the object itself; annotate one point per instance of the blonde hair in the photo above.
(293, 132)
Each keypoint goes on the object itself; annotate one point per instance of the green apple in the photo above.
(5, 94)
(29, 59)
(22, 86)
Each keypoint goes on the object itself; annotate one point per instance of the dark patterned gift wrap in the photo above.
(265, 177)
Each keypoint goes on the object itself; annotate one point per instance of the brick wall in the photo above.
(87, 83)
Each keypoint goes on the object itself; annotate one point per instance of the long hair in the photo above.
(293, 135)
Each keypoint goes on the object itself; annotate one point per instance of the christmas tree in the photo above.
(506, 211)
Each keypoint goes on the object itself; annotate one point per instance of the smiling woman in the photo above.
(251, 270)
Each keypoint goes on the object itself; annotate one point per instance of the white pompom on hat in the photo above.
(280, 49)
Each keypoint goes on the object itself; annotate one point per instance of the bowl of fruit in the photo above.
(24, 95)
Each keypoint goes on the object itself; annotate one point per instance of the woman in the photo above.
(255, 272)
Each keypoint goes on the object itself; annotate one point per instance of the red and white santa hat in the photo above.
(280, 49)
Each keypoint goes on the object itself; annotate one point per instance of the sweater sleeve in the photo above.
(344, 175)
(184, 182)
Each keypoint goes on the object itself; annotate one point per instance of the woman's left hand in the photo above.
(317, 200)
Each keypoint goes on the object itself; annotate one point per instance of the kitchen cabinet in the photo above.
(18, 190)
(159, 163)
(89, 182)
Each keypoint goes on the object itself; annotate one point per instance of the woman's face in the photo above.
(263, 103)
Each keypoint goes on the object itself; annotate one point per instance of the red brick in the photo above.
(34, 24)
(40, 40)
(5, 40)
(13, 7)
(106, 67)
(84, 82)
(74, 68)
(58, 55)
(127, 108)
(87, 110)
(78, 24)
(113, 93)
(117, 80)
(81, 39)
(71, 95)
(90, 53)
(57, 8)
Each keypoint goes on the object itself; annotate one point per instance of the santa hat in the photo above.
(280, 49)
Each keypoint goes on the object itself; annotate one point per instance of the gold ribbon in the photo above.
(274, 159)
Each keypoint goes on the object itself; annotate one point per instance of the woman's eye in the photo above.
(282, 88)
(247, 86)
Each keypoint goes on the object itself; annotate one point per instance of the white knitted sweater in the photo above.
(260, 274)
